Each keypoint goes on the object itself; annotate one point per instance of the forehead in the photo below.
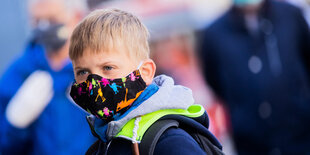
(47, 9)
(90, 57)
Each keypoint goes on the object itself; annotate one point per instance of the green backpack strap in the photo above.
(152, 135)
(199, 132)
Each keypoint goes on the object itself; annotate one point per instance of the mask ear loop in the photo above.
(140, 64)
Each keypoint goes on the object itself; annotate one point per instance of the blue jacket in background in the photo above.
(270, 107)
(60, 129)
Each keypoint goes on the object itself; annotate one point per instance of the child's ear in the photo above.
(147, 71)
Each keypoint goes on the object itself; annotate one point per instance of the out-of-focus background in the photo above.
(175, 27)
(14, 31)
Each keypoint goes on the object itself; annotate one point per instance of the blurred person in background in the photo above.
(93, 4)
(36, 115)
(256, 59)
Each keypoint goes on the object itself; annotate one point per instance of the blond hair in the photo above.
(107, 29)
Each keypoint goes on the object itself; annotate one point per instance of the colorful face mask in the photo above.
(107, 98)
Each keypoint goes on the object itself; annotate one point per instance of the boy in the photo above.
(115, 83)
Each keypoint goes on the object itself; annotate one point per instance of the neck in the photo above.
(251, 10)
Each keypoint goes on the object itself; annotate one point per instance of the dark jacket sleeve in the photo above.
(304, 39)
(209, 60)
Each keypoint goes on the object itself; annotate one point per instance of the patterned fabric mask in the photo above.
(108, 98)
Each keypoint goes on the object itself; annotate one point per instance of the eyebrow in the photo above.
(107, 63)
(80, 68)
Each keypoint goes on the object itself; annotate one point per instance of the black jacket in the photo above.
(262, 77)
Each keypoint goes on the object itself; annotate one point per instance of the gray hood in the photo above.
(168, 96)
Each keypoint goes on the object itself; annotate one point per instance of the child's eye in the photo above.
(107, 68)
(82, 72)
(81, 75)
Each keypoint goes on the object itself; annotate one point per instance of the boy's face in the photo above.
(108, 64)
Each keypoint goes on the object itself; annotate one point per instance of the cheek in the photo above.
(78, 80)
